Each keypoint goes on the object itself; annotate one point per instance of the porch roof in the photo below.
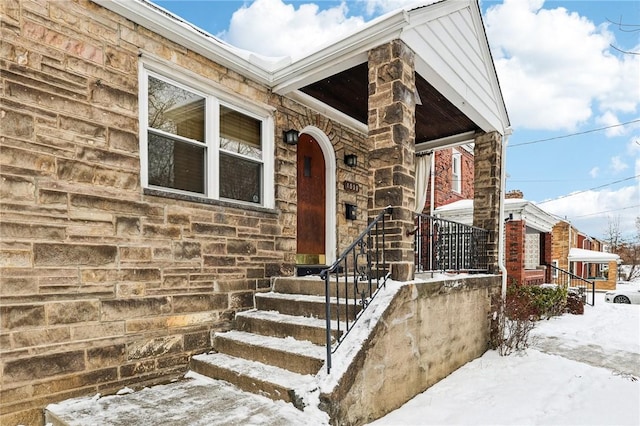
(591, 256)
(456, 81)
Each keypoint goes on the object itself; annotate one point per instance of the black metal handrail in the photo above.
(355, 278)
(444, 245)
(569, 280)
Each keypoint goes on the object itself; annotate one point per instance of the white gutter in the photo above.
(503, 184)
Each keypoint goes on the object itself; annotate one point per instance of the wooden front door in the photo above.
(311, 202)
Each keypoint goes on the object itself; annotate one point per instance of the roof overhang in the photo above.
(455, 75)
(591, 256)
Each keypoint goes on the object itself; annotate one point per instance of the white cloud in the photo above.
(617, 165)
(609, 119)
(594, 172)
(554, 65)
(590, 211)
(273, 28)
(383, 6)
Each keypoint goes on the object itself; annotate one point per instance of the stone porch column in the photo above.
(486, 199)
(392, 148)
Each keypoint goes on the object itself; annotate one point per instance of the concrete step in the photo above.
(251, 376)
(306, 305)
(275, 324)
(298, 356)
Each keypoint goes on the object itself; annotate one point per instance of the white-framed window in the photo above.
(196, 139)
(456, 174)
(554, 272)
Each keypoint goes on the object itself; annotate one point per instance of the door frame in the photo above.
(330, 190)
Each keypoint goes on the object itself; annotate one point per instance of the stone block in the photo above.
(40, 367)
(75, 171)
(17, 316)
(15, 258)
(123, 140)
(154, 347)
(72, 312)
(17, 124)
(97, 330)
(29, 160)
(241, 247)
(241, 300)
(137, 369)
(123, 309)
(16, 188)
(14, 230)
(73, 254)
(219, 261)
(213, 230)
(128, 225)
(140, 274)
(41, 337)
(186, 250)
(106, 356)
(194, 303)
(134, 254)
(197, 341)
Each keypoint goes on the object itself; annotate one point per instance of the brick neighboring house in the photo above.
(451, 177)
(128, 234)
(584, 256)
(528, 236)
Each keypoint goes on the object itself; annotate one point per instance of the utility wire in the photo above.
(573, 134)
(607, 211)
(590, 189)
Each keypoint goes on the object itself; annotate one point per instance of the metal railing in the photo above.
(353, 280)
(569, 280)
(443, 245)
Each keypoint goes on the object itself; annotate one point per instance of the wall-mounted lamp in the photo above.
(351, 160)
(290, 137)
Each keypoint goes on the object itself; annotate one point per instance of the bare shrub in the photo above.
(513, 320)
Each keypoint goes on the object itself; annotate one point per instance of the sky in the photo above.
(569, 71)
(578, 370)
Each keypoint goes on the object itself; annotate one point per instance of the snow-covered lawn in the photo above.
(579, 370)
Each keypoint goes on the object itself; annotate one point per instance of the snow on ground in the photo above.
(579, 370)
(539, 387)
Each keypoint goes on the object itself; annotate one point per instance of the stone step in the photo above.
(275, 324)
(315, 286)
(306, 305)
(251, 376)
(298, 356)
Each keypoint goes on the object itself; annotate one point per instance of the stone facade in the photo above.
(105, 284)
(487, 188)
(392, 157)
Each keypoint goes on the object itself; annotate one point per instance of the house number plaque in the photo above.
(351, 186)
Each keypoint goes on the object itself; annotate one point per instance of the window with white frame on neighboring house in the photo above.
(554, 271)
(456, 174)
(195, 141)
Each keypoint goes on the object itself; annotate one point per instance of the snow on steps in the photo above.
(305, 305)
(279, 325)
(252, 376)
(299, 356)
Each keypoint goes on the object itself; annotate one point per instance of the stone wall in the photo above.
(429, 330)
(103, 283)
(488, 184)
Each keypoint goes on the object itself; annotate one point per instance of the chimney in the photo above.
(516, 193)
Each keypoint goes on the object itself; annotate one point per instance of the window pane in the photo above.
(240, 179)
(174, 164)
(240, 133)
(175, 110)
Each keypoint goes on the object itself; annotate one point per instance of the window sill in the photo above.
(202, 200)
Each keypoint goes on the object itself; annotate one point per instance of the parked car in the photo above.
(630, 295)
